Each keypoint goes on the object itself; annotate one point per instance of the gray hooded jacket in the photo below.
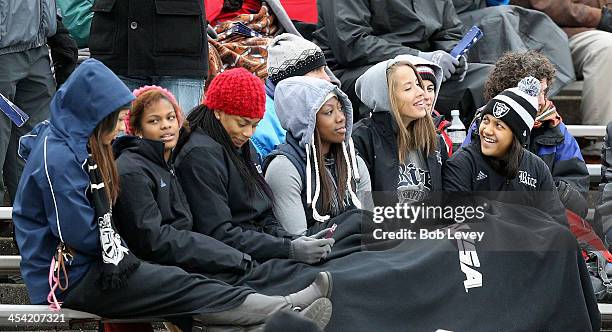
(372, 87)
(297, 101)
(376, 137)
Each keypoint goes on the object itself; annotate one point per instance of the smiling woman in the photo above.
(496, 161)
(399, 143)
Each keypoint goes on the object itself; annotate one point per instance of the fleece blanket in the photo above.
(525, 273)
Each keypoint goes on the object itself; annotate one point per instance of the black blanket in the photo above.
(525, 275)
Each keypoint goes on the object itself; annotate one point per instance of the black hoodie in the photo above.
(153, 216)
(222, 204)
(467, 171)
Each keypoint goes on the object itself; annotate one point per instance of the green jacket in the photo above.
(76, 16)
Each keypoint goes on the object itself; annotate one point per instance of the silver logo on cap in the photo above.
(500, 109)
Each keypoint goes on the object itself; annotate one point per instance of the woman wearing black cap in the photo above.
(496, 162)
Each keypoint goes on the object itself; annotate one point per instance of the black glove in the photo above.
(572, 199)
(64, 53)
(606, 20)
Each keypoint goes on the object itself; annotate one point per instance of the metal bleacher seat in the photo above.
(591, 132)
(587, 131)
(5, 212)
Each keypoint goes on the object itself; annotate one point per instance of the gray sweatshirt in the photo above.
(287, 189)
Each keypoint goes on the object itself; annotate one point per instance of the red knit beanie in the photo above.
(237, 92)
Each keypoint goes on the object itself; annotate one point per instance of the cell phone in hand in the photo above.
(331, 231)
(468, 40)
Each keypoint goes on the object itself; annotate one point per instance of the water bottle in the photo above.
(456, 131)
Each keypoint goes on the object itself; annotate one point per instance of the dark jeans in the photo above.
(26, 80)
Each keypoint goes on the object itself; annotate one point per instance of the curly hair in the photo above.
(511, 67)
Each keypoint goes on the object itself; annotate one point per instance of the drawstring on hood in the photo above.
(297, 101)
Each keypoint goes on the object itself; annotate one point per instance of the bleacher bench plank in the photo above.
(586, 130)
(606, 311)
(9, 264)
(6, 212)
(69, 314)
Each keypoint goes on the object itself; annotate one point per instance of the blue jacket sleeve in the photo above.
(569, 164)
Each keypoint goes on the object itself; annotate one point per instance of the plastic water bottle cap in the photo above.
(455, 112)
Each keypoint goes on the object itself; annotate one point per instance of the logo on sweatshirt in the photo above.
(500, 109)
(481, 176)
(526, 179)
(162, 183)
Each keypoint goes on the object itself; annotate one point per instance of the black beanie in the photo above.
(517, 107)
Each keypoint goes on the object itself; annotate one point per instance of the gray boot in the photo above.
(319, 312)
(320, 287)
(256, 308)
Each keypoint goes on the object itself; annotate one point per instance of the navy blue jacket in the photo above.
(51, 204)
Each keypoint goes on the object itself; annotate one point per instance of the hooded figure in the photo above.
(428, 74)
(377, 138)
(298, 193)
(52, 203)
(57, 202)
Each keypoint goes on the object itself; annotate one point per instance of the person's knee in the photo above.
(601, 47)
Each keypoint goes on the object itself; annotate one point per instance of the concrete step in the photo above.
(14, 294)
(7, 246)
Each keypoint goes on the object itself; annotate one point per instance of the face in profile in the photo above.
(495, 136)
(331, 122)
(160, 123)
(120, 121)
(111, 131)
(239, 128)
(430, 95)
(409, 95)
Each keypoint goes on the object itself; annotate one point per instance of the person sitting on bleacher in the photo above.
(356, 34)
(399, 143)
(318, 117)
(216, 165)
(288, 56)
(151, 212)
(431, 88)
(549, 138)
(496, 162)
(71, 251)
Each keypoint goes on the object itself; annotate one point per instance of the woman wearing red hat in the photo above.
(216, 165)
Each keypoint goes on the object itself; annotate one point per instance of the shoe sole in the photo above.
(330, 281)
(320, 312)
